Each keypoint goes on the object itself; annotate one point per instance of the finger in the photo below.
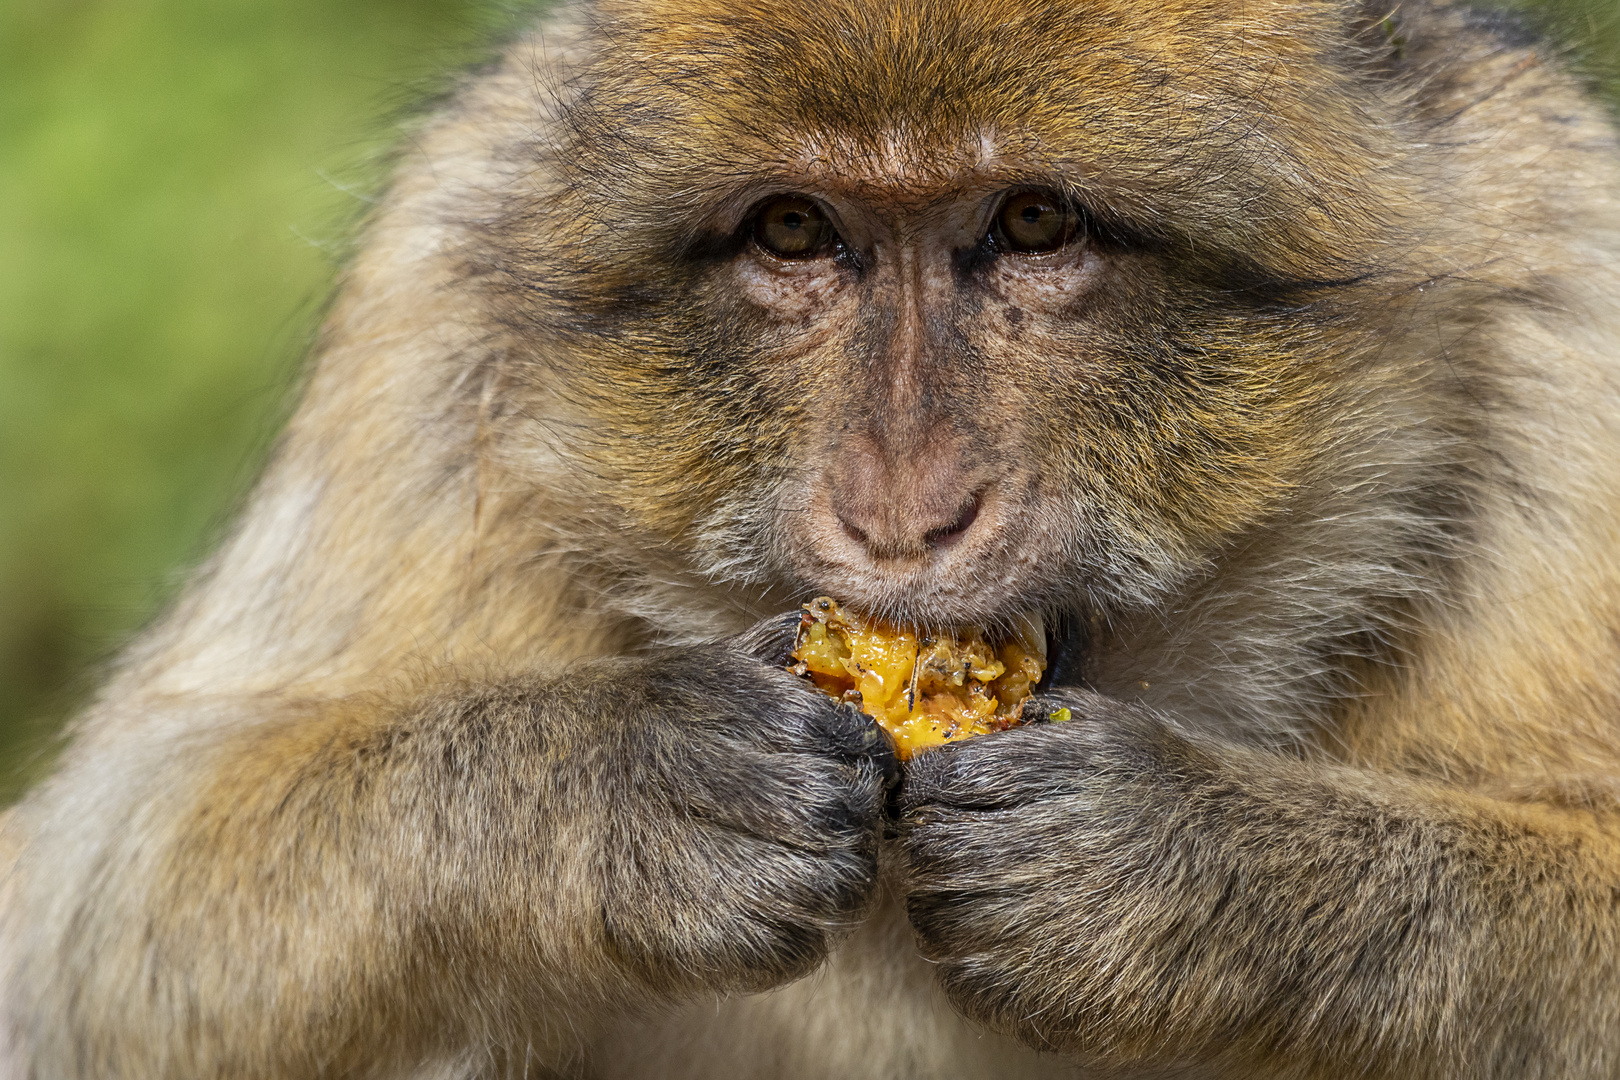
(991, 772)
(1067, 648)
(771, 639)
(849, 733)
(1064, 704)
(803, 803)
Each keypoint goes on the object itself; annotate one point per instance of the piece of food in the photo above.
(925, 689)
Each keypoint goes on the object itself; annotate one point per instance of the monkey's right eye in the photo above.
(792, 227)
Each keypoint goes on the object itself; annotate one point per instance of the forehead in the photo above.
(877, 67)
(1189, 113)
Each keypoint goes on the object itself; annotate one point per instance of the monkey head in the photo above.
(950, 309)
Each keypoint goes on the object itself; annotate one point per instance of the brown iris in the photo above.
(792, 227)
(1034, 221)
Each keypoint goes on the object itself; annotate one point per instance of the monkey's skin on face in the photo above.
(1268, 350)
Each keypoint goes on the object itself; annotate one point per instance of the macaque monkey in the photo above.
(1268, 352)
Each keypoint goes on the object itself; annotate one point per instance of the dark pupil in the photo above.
(1036, 222)
(793, 219)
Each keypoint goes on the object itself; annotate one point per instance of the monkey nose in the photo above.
(885, 539)
(901, 507)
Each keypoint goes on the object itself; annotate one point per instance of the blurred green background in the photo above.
(178, 183)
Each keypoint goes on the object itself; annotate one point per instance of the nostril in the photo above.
(855, 534)
(946, 535)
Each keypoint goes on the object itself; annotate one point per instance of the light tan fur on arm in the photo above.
(225, 800)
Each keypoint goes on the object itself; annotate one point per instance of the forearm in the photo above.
(1268, 915)
(270, 892)
(1349, 918)
(344, 887)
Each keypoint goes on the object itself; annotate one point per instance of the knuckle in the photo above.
(938, 920)
(928, 775)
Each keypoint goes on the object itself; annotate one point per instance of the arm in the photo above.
(1113, 889)
(346, 886)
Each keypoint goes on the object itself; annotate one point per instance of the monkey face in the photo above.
(948, 309)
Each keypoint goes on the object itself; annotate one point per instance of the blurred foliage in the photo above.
(177, 182)
(1589, 30)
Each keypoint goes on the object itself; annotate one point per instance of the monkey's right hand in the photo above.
(529, 854)
(744, 838)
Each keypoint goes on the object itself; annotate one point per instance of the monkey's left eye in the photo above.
(1034, 221)
(792, 227)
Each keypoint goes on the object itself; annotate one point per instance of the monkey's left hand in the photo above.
(1040, 859)
(1056, 872)
(1112, 889)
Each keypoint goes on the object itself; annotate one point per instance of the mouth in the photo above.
(1065, 640)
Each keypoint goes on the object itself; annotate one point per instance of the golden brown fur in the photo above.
(1313, 437)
